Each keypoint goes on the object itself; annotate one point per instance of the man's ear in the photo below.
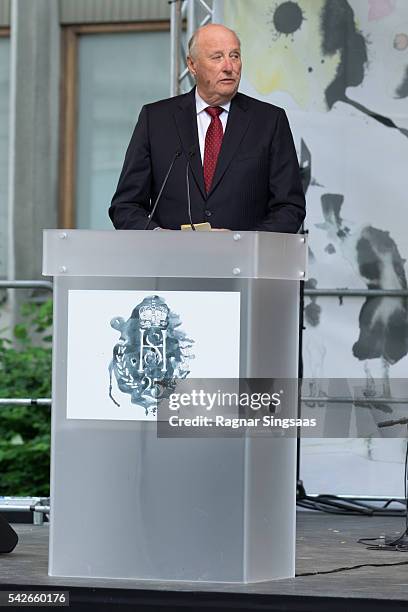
(190, 66)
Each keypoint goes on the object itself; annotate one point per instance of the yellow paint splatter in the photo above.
(276, 62)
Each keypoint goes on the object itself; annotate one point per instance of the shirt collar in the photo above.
(201, 104)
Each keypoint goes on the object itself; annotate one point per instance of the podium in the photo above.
(126, 503)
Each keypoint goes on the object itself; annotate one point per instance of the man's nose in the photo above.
(227, 67)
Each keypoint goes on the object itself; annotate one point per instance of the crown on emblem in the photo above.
(153, 314)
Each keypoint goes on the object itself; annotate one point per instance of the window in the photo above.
(116, 73)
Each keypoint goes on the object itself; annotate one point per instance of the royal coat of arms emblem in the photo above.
(152, 353)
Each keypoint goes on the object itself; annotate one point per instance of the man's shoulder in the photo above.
(168, 104)
(257, 105)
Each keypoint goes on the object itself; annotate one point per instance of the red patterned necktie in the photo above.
(213, 141)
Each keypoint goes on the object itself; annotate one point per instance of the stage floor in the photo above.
(327, 579)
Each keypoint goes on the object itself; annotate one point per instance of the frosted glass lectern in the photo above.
(126, 503)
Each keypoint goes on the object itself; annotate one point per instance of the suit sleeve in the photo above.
(131, 203)
(286, 206)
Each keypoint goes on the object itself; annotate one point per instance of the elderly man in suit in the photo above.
(229, 159)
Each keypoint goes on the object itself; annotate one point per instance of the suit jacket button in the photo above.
(208, 213)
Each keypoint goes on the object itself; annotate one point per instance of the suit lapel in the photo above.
(237, 125)
(185, 117)
(186, 121)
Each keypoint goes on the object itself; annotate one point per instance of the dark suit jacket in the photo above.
(256, 185)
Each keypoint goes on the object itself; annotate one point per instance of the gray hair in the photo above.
(192, 43)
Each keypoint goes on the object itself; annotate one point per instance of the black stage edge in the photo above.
(334, 573)
(82, 599)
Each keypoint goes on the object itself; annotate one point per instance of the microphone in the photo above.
(150, 216)
(191, 154)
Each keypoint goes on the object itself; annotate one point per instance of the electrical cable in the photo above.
(351, 567)
(333, 504)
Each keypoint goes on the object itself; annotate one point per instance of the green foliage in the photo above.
(25, 371)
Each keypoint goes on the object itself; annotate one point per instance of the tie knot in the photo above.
(214, 111)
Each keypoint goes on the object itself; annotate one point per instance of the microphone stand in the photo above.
(150, 216)
(191, 154)
(392, 543)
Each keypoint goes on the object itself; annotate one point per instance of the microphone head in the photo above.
(191, 152)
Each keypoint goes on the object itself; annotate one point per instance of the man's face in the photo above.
(216, 64)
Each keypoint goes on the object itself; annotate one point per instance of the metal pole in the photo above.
(356, 292)
(175, 43)
(206, 7)
(191, 18)
(354, 400)
(26, 284)
(192, 10)
(43, 401)
(46, 401)
(34, 505)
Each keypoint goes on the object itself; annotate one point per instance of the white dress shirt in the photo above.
(204, 120)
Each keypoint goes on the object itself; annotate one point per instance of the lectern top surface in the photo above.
(132, 253)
